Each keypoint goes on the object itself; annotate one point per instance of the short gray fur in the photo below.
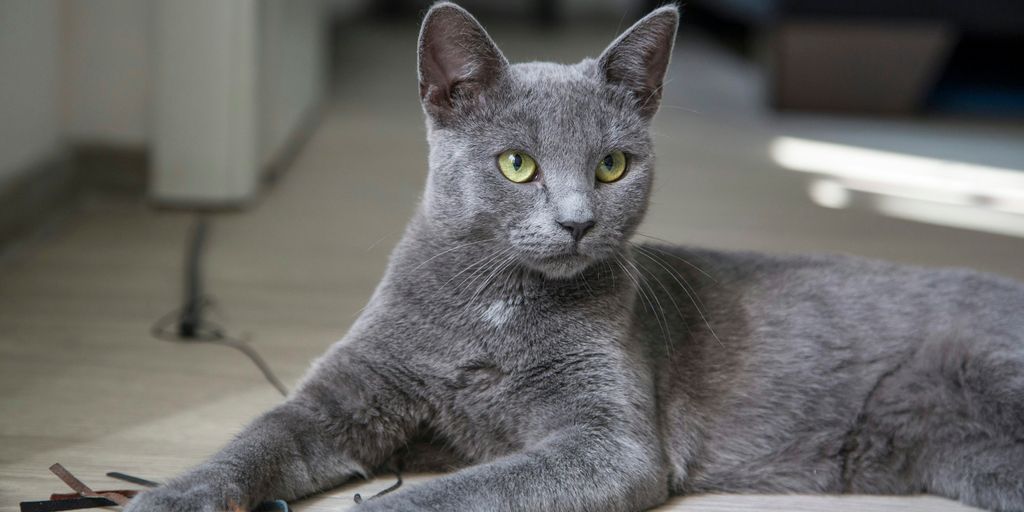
(605, 375)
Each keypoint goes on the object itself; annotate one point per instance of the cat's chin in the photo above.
(561, 267)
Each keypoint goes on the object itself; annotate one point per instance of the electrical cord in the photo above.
(189, 324)
(208, 332)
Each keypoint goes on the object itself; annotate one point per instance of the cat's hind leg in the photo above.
(948, 421)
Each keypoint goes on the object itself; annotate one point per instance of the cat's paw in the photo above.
(413, 501)
(392, 504)
(200, 498)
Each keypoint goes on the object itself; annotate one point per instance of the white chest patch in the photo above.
(499, 313)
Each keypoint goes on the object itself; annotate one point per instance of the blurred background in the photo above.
(291, 132)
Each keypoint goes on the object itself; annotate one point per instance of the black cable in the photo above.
(188, 323)
(358, 498)
(192, 312)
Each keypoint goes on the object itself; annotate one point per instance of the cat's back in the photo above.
(826, 288)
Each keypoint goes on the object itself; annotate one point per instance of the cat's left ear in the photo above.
(458, 61)
(639, 58)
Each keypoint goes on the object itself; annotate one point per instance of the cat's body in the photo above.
(839, 374)
(518, 336)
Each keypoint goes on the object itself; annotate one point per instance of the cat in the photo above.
(520, 338)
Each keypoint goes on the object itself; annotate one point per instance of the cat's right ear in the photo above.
(458, 61)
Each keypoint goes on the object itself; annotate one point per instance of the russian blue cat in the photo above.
(520, 341)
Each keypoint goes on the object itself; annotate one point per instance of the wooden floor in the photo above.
(84, 384)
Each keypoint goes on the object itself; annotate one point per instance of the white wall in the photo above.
(233, 82)
(108, 70)
(292, 68)
(93, 72)
(30, 129)
(204, 102)
(72, 70)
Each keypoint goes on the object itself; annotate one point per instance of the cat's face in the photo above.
(551, 163)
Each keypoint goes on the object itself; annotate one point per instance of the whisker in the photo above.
(676, 256)
(670, 295)
(679, 276)
(468, 282)
(684, 109)
(587, 285)
(611, 273)
(655, 92)
(508, 277)
(638, 280)
(618, 26)
(468, 268)
(693, 297)
(509, 259)
(666, 331)
(446, 251)
(495, 263)
(374, 244)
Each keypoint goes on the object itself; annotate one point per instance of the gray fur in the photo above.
(604, 375)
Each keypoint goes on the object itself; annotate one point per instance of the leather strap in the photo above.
(127, 493)
(83, 489)
(72, 504)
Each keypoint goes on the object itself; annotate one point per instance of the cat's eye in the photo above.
(611, 167)
(517, 166)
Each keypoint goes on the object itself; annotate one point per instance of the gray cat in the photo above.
(519, 338)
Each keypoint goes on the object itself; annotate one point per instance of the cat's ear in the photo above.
(639, 58)
(457, 59)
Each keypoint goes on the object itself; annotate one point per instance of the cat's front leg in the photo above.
(347, 419)
(581, 469)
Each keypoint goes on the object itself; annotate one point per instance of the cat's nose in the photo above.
(578, 229)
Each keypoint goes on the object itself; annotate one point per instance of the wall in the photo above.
(204, 149)
(71, 71)
(292, 66)
(30, 129)
(108, 59)
(85, 72)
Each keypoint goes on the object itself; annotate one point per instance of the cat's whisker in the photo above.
(676, 256)
(684, 109)
(641, 292)
(484, 274)
(586, 284)
(674, 274)
(671, 296)
(470, 271)
(673, 271)
(663, 321)
(694, 298)
(611, 273)
(483, 267)
(374, 244)
(618, 26)
(446, 251)
(463, 271)
(509, 260)
(656, 93)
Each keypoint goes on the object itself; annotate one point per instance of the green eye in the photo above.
(611, 167)
(517, 166)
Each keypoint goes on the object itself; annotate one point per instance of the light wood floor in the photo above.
(83, 383)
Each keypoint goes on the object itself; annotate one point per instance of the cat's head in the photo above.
(552, 162)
